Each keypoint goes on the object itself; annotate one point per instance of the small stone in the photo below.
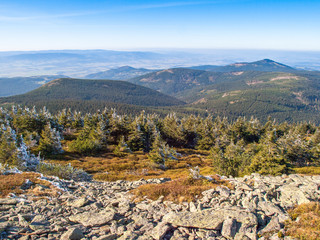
(8, 201)
(22, 221)
(229, 228)
(3, 226)
(223, 191)
(192, 207)
(160, 230)
(81, 202)
(273, 225)
(72, 234)
(108, 237)
(26, 185)
(24, 238)
(39, 222)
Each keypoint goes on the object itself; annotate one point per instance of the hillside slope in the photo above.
(175, 80)
(94, 90)
(171, 81)
(284, 96)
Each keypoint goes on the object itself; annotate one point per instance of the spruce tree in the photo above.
(161, 152)
(8, 146)
(122, 148)
(50, 141)
(136, 138)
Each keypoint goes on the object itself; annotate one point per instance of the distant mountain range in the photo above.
(273, 89)
(265, 65)
(122, 73)
(79, 63)
(176, 80)
(172, 81)
(73, 63)
(261, 89)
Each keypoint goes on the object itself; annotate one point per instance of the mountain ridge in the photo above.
(97, 90)
(264, 65)
(121, 73)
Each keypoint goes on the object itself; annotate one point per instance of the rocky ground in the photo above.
(255, 209)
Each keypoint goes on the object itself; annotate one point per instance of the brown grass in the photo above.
(305, 222)
(179, 190)
(307, 170)
(12, 184)
(108, 167)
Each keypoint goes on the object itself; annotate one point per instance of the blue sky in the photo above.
(139, 24)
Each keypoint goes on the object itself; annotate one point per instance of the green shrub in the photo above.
(63, 171)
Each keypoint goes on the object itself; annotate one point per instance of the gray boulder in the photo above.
(90, 219)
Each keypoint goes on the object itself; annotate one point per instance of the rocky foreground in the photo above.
(255, 209)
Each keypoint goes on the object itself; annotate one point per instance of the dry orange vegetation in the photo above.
(305, 222)
(179, 190)
(136, 165)
(12, 184)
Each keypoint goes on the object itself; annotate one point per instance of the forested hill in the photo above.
(94, 90)
(283, 96)
(121, 73)
(265, 65)
(171, 81)
(272, 89)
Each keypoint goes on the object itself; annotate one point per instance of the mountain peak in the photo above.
(264, 65)
(266, 60)
(125, 68)
(269, 62)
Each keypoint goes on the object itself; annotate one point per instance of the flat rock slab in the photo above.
(91, 219)
(214, 218)
(81, 202)
(210, 218)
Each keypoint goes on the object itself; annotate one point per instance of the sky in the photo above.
(140, 24)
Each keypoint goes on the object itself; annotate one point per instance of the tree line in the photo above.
(236, 147)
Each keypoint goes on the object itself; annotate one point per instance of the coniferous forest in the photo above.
(30, 138)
